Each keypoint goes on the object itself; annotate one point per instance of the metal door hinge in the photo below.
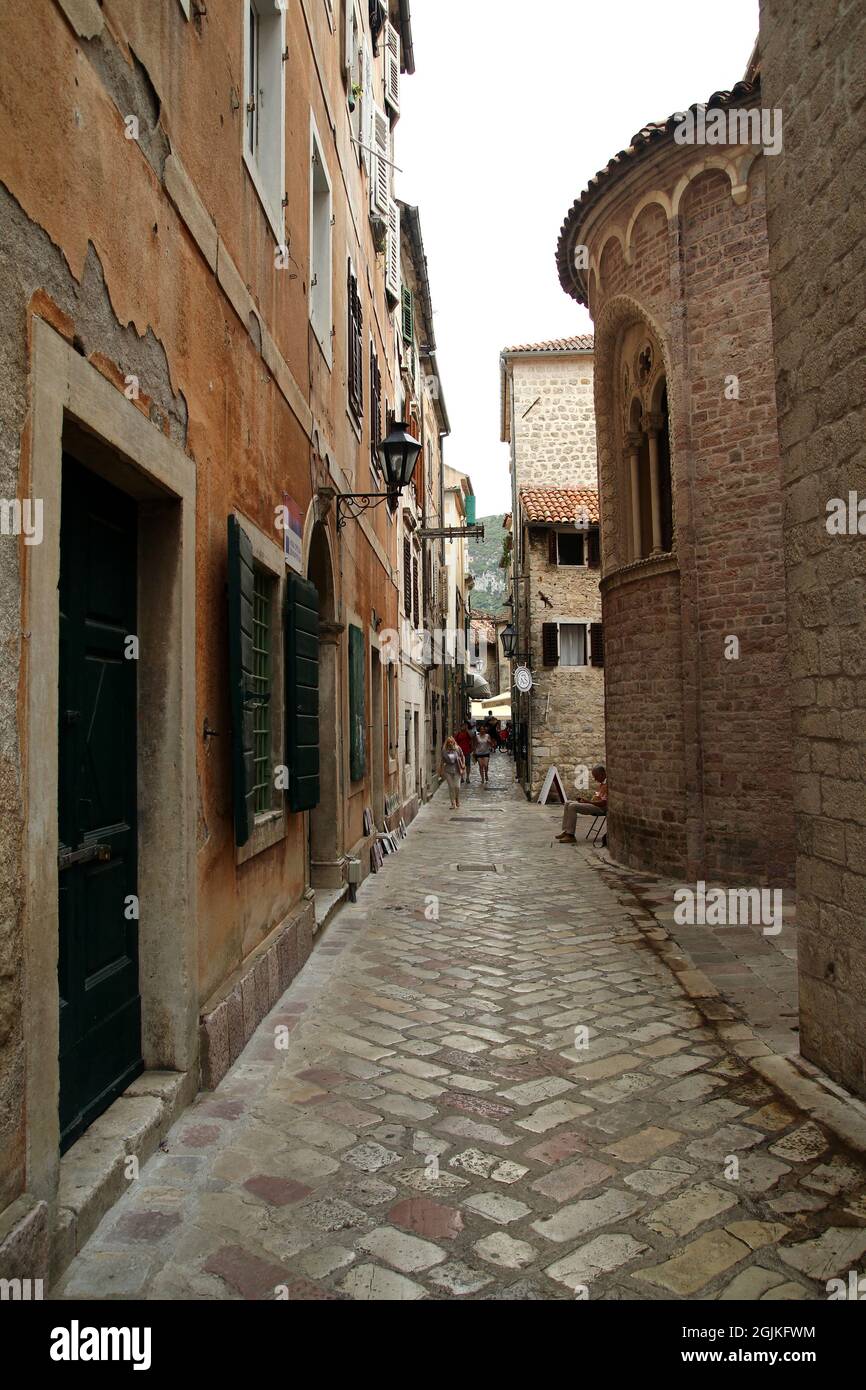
(84, 855)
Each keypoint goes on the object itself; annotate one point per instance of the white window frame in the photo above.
(380, 162)
(321, 265)
(393, 55)
(587, 624)
(574, 665)
(265, 161)
(353, 43)
(393, 277)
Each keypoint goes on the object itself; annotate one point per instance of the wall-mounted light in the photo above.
(398, 453)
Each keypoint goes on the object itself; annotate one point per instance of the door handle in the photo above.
(67, 857)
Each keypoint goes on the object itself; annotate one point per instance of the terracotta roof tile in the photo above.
(582, 343)
(549, 505)
(651, 134)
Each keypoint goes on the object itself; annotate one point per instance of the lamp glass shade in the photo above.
(508, 638)
(399, 453)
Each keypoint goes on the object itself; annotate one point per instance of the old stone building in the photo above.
(560, 636)
(201, 289)
(421, 560)
(546, 389)
(668, 248)
(813, 60)
(548, 420)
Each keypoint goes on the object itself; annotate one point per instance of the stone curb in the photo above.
(844, 1118)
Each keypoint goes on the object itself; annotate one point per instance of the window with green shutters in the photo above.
(256, 680)
(408, 315)
(260, 686)
(357, 705)
(241, 596)
(302, 693)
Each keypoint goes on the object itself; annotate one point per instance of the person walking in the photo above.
(451, 766)
(483, 749)
(463, 739)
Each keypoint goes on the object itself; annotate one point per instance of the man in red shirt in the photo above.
(464, 743)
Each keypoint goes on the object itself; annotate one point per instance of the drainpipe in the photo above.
(516, 552)
(441, 568)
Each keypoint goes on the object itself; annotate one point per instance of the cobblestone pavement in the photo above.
(432, 1131)
(756, 971)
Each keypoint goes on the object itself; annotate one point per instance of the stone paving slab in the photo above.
(493, 1087)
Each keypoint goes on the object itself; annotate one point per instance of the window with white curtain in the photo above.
(572, 644)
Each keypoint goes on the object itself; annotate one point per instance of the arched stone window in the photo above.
(647, 511)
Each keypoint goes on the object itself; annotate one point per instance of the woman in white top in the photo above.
(483, 749)
(451, 766)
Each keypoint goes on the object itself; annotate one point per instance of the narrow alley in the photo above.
(486, 1084)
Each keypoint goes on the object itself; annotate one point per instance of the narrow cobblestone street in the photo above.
(430, 1131)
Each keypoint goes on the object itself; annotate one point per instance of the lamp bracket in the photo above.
(354, 504)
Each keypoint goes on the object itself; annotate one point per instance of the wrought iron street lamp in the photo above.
(508, 638)
(398, 454)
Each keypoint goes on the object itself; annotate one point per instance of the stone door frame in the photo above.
(71, 400)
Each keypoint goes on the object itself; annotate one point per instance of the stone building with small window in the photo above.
(549, 422)
(668, 248)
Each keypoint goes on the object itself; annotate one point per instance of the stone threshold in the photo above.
(794, 1077)
(99, 1167)
(328, 902)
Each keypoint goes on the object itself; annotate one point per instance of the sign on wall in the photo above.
(523, 678)
(293, 534)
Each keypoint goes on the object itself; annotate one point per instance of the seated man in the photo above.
(586, 806)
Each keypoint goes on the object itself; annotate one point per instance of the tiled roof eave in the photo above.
(645, 139)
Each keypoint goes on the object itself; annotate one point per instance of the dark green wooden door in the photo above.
(302, 692)
(100, 1006)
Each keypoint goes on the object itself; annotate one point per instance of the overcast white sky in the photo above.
(515, 104)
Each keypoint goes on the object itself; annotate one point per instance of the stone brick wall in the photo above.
(814, 69)
(700, 283)
(567, 725)
(555, 442)
(646, 763)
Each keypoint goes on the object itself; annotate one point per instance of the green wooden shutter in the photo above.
(357, 705)
(302, 692)
(408, 315)
(594, 549)
(596, 644)
(552, 548)
(241, 583)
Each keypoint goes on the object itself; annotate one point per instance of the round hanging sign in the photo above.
(523, 678)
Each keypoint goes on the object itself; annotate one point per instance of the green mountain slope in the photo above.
(491, 582)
